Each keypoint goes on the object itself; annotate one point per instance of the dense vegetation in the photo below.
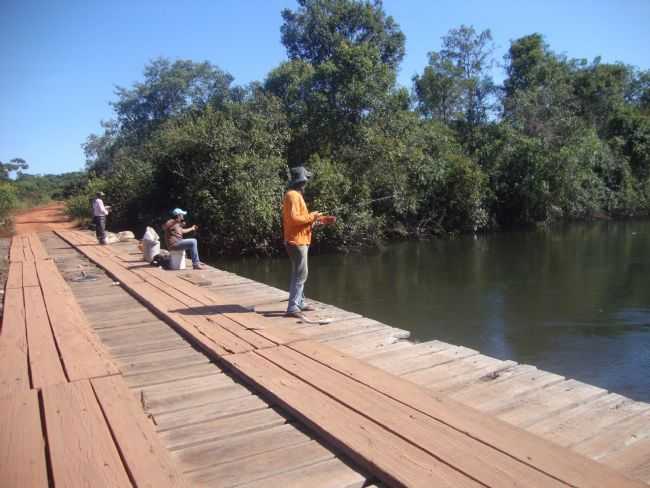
(561, 138)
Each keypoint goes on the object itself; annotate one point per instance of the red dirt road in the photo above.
(42, 219)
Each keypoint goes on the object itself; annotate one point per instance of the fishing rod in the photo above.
(364, 203)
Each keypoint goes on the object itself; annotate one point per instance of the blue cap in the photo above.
(177, 211)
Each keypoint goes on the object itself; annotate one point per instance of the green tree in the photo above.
(343, 56)
(169, 89)
(456, 86)
(16, 165)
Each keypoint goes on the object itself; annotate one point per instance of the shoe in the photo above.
(294, 315)
(307, 308)
(198, 266)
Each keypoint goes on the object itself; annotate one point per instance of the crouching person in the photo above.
(174, 232)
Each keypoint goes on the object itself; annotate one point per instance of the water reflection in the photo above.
(574, 299)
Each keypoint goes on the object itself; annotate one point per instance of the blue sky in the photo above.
(61, 60)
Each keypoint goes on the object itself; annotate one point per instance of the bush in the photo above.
(8, 201)
(79, 207)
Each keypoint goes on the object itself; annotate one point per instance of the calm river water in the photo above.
(574, 300)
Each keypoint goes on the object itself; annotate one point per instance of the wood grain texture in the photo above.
(559, 463)
(82, 451)
(22, 448)
(146, 458)
(45, 364)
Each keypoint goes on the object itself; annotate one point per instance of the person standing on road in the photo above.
(174, 232)
(297, 223)
(100, 211)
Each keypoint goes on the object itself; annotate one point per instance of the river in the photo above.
(571, 299)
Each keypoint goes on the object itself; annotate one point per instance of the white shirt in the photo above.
(98, 208)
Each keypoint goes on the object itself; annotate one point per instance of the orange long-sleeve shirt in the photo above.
(296, 219)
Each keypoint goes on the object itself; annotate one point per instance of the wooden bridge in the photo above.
(117, 373)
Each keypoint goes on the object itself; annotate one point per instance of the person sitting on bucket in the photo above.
(297, 224)
(100, 211)
(174, 232)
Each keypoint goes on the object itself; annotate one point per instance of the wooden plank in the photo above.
(14, 373)
(29, 274)
(16, 251)
(22, 449)
(419, 362)
(332, 473)
(194, 392)
(37, 247)
(146, 459)
(82, 452)
(476, 460)
(209, 411)
(634, 461)
(229, 449)
(217, 428)
(195, 297)
(490, 395)
(387, 455)
(539, 404)
(586, 420)
(157, 361)
(265, 465)
(13, 319)
(82, 357)
(45, 365)
(15, 275)
(561, 464)
(619, 436)
(171, 374)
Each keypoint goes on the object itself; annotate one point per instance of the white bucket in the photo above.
(177, 259)
(151, 248)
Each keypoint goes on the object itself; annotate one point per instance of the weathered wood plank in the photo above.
(29, 274)
(209, 411)
(22, 450)
(634, 461)
(170, 374)
(372, 446)
(539, 404)
(476, 460)
(14, 373)
(265, 465)
(229, 449)
(146, 458)
(616, 437)
(189, 435)
(15, 275)
(81, 448)
(45, 364)
(326, 474)
(560, 463)
(574, 425)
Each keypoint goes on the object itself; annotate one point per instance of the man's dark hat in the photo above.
(299, 174)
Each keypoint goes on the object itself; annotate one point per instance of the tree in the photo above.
(16, 165)
(343, 56)
(169, 89)
(456, 85)
(539, 96)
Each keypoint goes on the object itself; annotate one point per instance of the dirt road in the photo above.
(42, 219)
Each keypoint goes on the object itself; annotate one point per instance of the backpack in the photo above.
(161, 260)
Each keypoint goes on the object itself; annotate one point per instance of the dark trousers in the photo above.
(100, 228)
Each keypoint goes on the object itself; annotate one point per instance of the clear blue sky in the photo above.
(61, 60)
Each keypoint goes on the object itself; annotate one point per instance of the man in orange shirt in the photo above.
(297, 223)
